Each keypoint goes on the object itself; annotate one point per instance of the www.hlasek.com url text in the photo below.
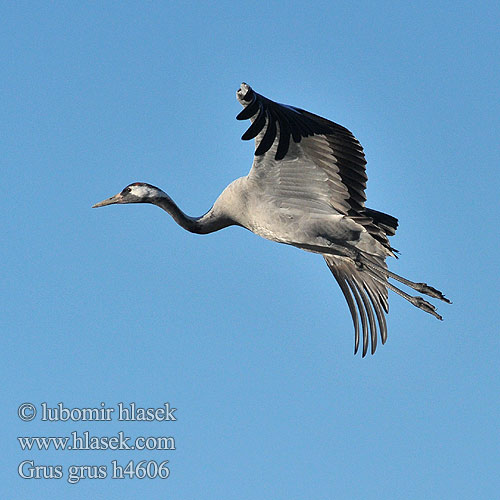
(86, 441)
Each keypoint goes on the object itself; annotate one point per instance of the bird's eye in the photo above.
(128, 190)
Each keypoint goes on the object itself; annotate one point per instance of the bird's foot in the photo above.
(430, 291)
(421, 303)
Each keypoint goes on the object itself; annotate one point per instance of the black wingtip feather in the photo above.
(269, 135)
(255, 127)
(248, 111)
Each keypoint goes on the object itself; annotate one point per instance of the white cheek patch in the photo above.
(141, 191)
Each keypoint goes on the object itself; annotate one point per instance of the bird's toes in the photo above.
(421, 303)
(431, 292)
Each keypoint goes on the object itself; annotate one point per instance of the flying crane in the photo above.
(306, 188)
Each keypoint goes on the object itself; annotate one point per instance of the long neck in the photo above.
(205, 224)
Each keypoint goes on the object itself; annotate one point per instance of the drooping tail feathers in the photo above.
(379, 225)
(385, 221)
(364, 285)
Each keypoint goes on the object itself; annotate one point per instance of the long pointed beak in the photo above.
(117, 198)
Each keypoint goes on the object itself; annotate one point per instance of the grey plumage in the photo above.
(306, 188)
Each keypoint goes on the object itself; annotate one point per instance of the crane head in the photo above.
(138, 192)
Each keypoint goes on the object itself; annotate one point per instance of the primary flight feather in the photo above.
(306, 188)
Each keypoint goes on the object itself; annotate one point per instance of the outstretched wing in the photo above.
(284, 133)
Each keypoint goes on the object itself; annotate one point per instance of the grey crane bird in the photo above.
(306, 188)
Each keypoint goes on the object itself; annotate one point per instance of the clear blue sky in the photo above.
(251, 341)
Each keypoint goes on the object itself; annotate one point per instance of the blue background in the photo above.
(251, 341)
